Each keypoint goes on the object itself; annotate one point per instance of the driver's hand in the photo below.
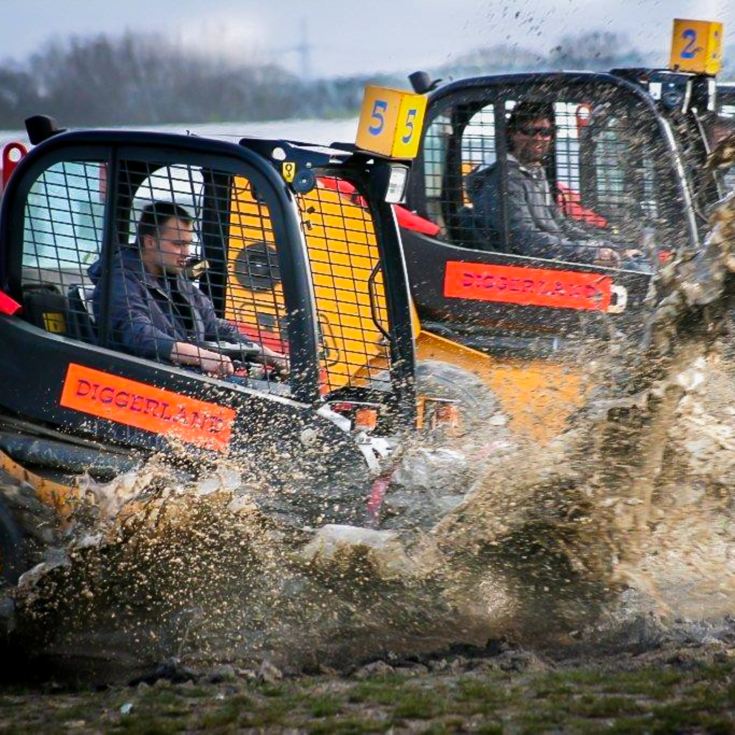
(607, 257)
(212, 363)
(276, 360)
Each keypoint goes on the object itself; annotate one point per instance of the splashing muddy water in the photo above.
(628, 514)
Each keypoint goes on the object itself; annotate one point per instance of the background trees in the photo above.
(148, 79)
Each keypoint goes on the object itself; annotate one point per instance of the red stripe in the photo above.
(8, 306)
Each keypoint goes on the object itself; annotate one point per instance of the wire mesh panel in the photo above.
(62, 237)
(179, 242)
(435, 165)
(194, 263)
(345, 272)
(348, 284)
(584, 177)
(255, 298)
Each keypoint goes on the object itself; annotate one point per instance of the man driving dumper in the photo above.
(155, 310)
(536, 227)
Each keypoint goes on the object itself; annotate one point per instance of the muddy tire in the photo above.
(27, 528)
(478, 406)
(12, 558)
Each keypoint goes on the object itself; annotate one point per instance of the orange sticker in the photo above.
(527, 286)
(143, 406)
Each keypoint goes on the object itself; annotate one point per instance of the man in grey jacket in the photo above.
(536, 227)
(155, 311)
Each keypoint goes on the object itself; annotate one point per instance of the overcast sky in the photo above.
(346, 36)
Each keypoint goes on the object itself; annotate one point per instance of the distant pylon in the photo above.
(304, 51)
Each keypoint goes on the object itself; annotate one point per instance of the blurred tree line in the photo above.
(146, 80)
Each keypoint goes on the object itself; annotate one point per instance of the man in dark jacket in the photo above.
(155, 311)
(536, 227)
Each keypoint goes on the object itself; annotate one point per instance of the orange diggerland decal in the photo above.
(527, 286)
(143, 406)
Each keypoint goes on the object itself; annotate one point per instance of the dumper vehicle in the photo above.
(627, 164)
(282, 253)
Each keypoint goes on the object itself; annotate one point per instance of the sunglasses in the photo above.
(532, 131)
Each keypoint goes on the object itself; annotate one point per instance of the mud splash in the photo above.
(629, 514)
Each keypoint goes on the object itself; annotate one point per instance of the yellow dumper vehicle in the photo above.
(284, 252)
(625, 168)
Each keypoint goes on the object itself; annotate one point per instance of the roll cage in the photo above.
(461, 114)
(90, 185)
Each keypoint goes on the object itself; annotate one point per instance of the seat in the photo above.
(472, 232)
(46, 307)
(81, 313)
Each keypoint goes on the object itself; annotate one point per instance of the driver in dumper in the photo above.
(156, 311)
(536, 226)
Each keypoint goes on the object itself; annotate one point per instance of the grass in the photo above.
(651, 699)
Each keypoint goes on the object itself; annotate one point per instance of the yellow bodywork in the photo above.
(343, 255)
(696, 46)
(61, 498)
(536, 395)
(390, 122)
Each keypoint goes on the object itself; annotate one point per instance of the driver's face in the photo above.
(531, 140)
(169, 252)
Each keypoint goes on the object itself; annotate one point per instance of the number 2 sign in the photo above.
(390, 122)
(696, 46)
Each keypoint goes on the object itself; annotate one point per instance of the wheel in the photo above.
(11, 547)
(478, 406)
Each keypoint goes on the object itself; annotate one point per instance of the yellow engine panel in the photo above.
(537, 395)
(345, 271)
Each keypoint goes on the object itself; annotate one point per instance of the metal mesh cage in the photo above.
(348, 284)
(215, 278)
(62, 237)
(597, 178)
(345, 270)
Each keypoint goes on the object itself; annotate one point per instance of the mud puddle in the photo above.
(620, 530)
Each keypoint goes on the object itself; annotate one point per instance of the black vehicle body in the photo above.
(74, 199)
(623, 163)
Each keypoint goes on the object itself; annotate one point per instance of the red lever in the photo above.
(7, 305)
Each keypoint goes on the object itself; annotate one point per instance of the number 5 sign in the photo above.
(390, 122)
(696, 46)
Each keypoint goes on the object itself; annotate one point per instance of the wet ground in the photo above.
(673, 685)
(585, 585)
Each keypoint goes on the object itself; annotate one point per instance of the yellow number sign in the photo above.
(696, 46)
(390, 122)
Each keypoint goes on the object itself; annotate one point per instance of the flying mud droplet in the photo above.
(625, 517)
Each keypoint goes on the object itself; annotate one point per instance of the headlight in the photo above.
(397, 181)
